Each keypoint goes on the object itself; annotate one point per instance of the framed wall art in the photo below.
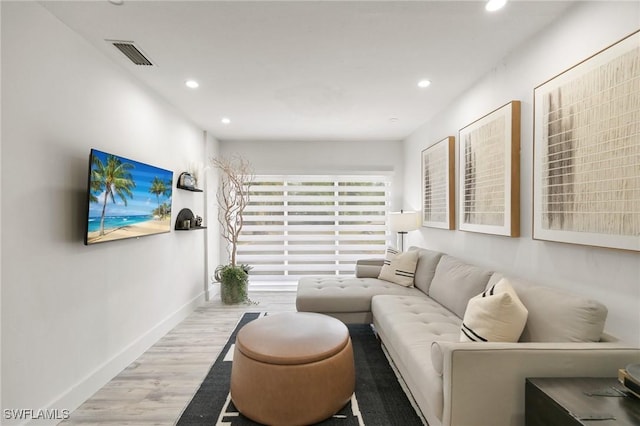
(489, 173)
(586, 164)
(126, 199)
(438, 181)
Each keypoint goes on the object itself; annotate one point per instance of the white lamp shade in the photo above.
(403, 221)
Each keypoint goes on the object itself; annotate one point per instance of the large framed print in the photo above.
(586, 163)
(438, 181)
(489, 173)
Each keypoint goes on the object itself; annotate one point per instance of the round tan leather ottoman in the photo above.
(292, 369)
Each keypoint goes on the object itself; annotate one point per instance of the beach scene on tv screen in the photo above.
(127, 198)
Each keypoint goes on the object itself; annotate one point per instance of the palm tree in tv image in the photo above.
(158, 188)
(114, 178)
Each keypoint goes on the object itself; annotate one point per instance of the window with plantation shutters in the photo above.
(301, 225)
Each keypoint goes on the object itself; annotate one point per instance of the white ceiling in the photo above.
(309, 70)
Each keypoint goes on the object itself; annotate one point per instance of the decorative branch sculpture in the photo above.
(236, 177)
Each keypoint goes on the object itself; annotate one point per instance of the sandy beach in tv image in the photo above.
(127, 199)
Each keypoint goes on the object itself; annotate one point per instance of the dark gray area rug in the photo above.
(379, 399)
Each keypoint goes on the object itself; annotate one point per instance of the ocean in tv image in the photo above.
(127, 198)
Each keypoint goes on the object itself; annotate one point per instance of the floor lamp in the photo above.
(403, 222)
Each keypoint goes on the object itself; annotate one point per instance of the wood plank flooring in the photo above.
(155, 388)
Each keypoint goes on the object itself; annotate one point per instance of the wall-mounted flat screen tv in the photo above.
(126, 199)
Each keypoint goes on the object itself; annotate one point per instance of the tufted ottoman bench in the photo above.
(292, 369)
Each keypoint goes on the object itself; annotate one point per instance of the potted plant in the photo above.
(236, 177)
(234, 281)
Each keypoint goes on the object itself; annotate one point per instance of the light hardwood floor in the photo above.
(155, 388)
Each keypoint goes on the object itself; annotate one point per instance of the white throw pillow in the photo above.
(496, 315)
(399, 268)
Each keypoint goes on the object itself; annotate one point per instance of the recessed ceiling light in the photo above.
(393, 119)
(493, 5)
(225, 120)
(424, 83)
(116, 2)
(192, 84)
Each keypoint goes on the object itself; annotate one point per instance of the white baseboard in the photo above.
(211, 291)
(81, 391)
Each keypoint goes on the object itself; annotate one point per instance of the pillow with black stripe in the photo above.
(495, 315)
(399, 268)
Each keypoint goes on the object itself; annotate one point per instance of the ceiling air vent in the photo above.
(132, 52)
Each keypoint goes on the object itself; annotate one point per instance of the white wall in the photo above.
(0, 212)
(610, 276)
(320, 157)
(72, 315)
(213, 246)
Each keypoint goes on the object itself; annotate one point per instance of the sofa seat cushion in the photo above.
(414, 321)
(331, 294)
(407, 326)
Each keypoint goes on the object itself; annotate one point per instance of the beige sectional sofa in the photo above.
(458, 383)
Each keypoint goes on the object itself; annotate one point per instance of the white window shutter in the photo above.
(297, 225)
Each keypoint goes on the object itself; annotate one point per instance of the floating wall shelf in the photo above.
(187, 182)
(186, 214)
(187, 188)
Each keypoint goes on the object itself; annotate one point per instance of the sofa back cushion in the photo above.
(556, 315)
(426, 269)
(455, 282)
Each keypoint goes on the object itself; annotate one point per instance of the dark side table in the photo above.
(579, 401)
